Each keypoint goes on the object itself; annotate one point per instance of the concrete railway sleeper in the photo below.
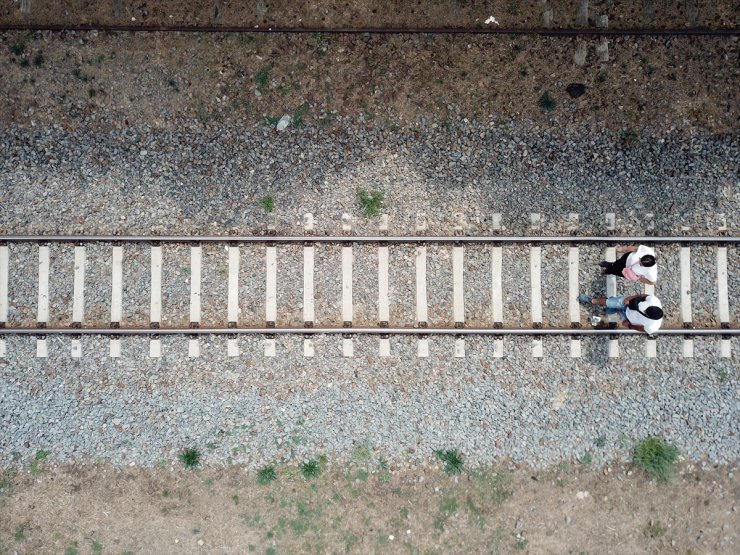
(416, 290)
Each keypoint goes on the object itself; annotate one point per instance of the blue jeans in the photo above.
(616, 305)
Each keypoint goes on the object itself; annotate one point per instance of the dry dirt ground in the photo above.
(372, 13)
(365, 509)
(106, 81)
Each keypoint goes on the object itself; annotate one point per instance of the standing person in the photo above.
(639, 312)
(636, 264)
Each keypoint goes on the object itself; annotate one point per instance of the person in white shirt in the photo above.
(637, 264)
(639, 312)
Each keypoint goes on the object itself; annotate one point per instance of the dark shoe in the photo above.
(605, 264)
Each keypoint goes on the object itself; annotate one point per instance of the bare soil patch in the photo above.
(373, 13)
(363, 509)
(165, 80)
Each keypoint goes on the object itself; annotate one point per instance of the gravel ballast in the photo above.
(199, 180)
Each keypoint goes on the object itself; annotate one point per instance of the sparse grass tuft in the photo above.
(190, 458)
(310, 469)
(38, 59)
(448, 505)
(268, 203)
(629, 136)
(262, 77)
(173, 85)
(452, 459)
(600, 441)
(655, 530)
(520, 544)
(299, 114)
(656, 457)
(81, 76)
(96, 547)
(266, 475)
(20, 533)
(18, 48)
(370, 202)
(586, 459)
(547, 102)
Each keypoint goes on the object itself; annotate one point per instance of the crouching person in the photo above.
(642, 313)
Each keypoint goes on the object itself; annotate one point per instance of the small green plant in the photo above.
(350, 540)
(34, 467)
(262, 77)
(629, 136)
(266, 475)
(96, 547)
(370, 202)
(310, 469)
(6, 481)
(72, 550)
(165, 493)
(268, 203)
(38, 59)
(452, 459)
(655, 530)
(173, 85)
(656, 457)
(81, 76)
(298, 115)
(190, 458)
(18, 48)
(92, 93)
(600, 441)
(20, 533)
(235, 499)
(448, 505)
(547, 102)
(384, 474)
(520, 544)
(586, 459)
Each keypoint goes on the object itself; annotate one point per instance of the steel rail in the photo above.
(568, 32)
(359, 331)
(357, 239)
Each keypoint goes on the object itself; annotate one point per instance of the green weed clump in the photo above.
(370, 202)
(266, 475)
(547, 102)
(190, 458)
(452, 459)
(268, 203)
(656, 456)
(310, 469)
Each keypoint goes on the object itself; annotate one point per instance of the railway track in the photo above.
(385, 286)
(540, 31)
